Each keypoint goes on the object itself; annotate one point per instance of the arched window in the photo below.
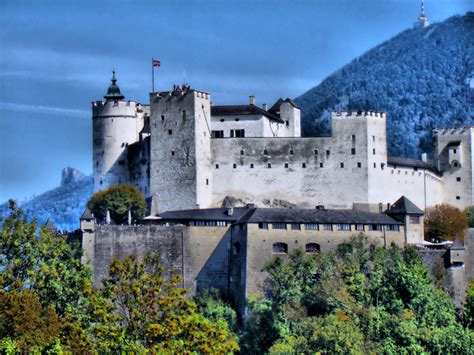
(313, 248)
(280, 248)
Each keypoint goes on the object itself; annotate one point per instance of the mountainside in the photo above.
(423, 78)
(63, 205)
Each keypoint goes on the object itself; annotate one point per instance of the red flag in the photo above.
(156, 63)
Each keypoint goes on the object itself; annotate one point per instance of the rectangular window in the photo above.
(217, 166)
(162, 117)
(375, 227)
(183, 114)
(170, 131)
(327, 227)
(279, 225)
(311, 226)
(263, 225)
(241, 152)
(172, 152)
(234, 166)
(291, 152)
(458, 197)
(353, 137)
(251, 166)
(343, 227)
(458, 179)
(295, 226)
(315, 152)
(265, 152)
(373, 151)
(321, 165)
(353, 151)
(373, 138)
(394, 227)
(328, 152)
(359, 165)
(217, 134)
(415, 219)
(342, 165)
(286, 165)
(303, 165)
(237, 133)
(359, 227)
(375, 165)
(207, 181)
(269, 165)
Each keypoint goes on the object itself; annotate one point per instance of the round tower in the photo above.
(116, 124)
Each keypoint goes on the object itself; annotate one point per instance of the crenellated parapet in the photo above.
(358, 113)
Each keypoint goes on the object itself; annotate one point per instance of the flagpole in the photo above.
(152, 76)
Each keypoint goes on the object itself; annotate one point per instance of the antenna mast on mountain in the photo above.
(422, 19)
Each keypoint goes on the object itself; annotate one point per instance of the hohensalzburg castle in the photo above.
(186, 153)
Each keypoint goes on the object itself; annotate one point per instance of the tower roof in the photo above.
(113, 92)
(404, 206)
(50, 226)
(87, 214)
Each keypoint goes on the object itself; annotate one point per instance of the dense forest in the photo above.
(423, 78)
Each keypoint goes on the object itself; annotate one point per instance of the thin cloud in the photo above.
(42, 109)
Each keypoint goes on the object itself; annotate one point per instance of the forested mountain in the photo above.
(63, 205)
(423, 78)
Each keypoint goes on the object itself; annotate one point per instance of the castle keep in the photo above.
(233, 186)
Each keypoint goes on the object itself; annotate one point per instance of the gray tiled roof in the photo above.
(412, 163)
(404, 206)
(294, 215)
(232, 110)
(277, 104)
(87, 214)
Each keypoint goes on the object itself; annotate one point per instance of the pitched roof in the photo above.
(404, 206)
(232, 110)
(277, 104)
(87, 214)
(242, 215)
(297, 215)
(50, 226)
(412, 163)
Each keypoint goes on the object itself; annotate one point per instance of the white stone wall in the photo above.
(115, 125)
(293, 115)
(253, 124)
(458, 179)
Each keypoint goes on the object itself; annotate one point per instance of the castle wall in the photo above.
(456, 167)
(254, 125)
(115, 125)
(198, 254)
(139, 165)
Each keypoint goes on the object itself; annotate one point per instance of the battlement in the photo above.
(357, 113)
(114, 108)
(452, 130)
(178, 93)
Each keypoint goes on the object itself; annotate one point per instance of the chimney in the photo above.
(264, 106)
(251, 100)
(250, 205)
(424, 157)
(230, 211)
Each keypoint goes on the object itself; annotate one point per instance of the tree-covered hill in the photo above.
(423, 78)
(62, 205)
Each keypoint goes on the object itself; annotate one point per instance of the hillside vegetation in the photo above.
(423, 78)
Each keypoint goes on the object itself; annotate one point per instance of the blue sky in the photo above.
(57, 56)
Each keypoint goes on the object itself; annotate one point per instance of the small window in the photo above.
(327, 227)
(237, 119)
(373, 151)
(455, 164)
(353, 151)
(454, 151)
(222, 120)
(342, 165)
(321, 165)
(359, 227)
(343, 227)
(291, 152)
(295, 226)
(315, 152)
(382, 166)
(375, 165)
(183, 114)
(172, 152)
(170, 131)
(312, 248)
(286, 165)
(280, 248)
(303, 165)
(207, 181)
(217, 166)
(458, 197)
(217, 134)
(237, 133)
(162, 117)
(458, 179)
(269, 165)
(234, 166)
(241, 152)
(328, 152)
(311, 226)
(251, 166)
(279, 225)
(375, 227)
(287, 123)
(265, 152)
(353, 137)
(394, 227)
(415, 219)
(359, 165)
(263, 225)
(373, 138)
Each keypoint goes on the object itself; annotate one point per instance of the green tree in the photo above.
(139, 309)
(45, 273)
(444, 222)
(360, 298)
(469, 213)
(118, 200)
